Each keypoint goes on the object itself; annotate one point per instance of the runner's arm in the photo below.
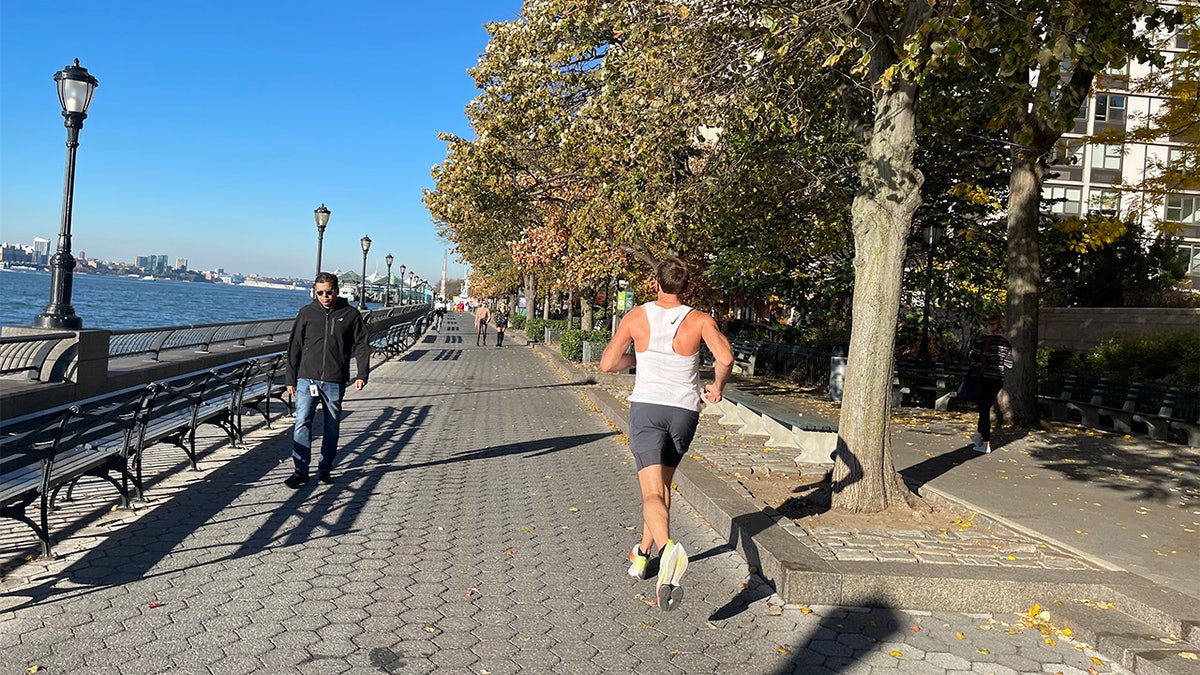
(616, 357)
(722, 353)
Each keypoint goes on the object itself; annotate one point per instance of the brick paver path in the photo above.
(479, 525)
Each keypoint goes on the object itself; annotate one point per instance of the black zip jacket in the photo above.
(324, 340)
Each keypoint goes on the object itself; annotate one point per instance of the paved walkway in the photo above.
(479, 525)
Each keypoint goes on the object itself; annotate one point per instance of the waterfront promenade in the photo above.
(480, 524)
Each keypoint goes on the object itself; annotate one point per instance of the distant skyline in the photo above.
(218, 127)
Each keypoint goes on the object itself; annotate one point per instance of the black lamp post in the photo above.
(362, 296)
(321, 214)
(932, 235)
(400, 289)
(411, 277)
(75, 89)
(387, 289)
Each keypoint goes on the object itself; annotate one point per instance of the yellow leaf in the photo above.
(985, 651)
(805, 610)
(32, 669)
(1066, 631)
(960, 636)
(783, 650)
(1097, 661)
(1033, 611)
(1190, 656)
(1051, 641)
(896, 654)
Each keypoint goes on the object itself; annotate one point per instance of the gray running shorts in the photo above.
(660, 434)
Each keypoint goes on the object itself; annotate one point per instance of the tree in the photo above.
(1046, 55)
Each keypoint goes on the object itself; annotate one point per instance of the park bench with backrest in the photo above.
(43, 452)
(107, 436)
(745, 355)
(929, 384)
(1125, 407)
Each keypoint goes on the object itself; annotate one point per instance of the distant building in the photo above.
(41, 251)
(142, 261)
(181, 264)
(1087, 178)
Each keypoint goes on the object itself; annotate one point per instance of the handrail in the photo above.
(28, 353)
(154, 341)
(203, 337)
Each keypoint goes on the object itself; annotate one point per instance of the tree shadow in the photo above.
(133, 552)
(917, 475)
(845, 636)
(819, 499)
(1145, 469)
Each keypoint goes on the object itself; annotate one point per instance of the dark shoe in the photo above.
(326, 478)
(296, 480)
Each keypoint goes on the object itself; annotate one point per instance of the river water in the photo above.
(123, 303)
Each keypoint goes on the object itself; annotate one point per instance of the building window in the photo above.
(1104, 202)
(1068, 153)
(1192, 253)
(1106, 157)
(1063, 200)
(1109, 108)
(1183, 209)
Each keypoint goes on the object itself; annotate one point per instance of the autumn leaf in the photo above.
(783, 650)
(960, 635)
(896, 654)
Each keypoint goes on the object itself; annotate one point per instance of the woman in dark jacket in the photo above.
(991, 356)
(501, 319)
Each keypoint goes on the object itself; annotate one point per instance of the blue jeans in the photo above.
(330, 394)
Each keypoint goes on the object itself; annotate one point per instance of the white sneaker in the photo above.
(672, 565)
(983, 448)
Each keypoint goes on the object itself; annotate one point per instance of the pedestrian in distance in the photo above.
(439, 311)
(482, 316)
(327, 334)
(990, 358)
(664, 410)
(500, 318)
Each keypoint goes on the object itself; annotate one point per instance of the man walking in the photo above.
(664, 409)
(482, 316)
(327, 333)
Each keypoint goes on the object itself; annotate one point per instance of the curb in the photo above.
(1133, 632)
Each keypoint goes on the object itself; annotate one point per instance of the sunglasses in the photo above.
(325, 293)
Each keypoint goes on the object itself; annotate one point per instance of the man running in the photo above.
(664, 409)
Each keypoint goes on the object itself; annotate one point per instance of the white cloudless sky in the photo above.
(219, 126)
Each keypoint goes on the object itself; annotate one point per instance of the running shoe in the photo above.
(639, 563)
(673, 564)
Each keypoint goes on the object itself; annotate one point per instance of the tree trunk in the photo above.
(546, 306)
(571, 309)
(1024, 273)
(586, 311)
(864, 476)
(530, 295)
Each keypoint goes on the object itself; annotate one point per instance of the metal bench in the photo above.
(44, 452)
(745, 356)
(930, 385)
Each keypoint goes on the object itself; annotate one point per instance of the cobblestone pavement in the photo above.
(479, 525)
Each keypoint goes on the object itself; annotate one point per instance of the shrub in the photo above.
(1171, 357)
(517, 321)
(533, 328)
(573, 339)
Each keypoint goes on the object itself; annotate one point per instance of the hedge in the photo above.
(573, 339)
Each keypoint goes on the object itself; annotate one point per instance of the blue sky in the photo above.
(219, 126)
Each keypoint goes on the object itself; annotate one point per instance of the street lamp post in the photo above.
(400, 288)
(387, 289)
(321, 214)
(411, 277)
(362, 296)
(932, 235)
(75, 89)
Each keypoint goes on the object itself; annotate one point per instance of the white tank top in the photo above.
(663, 376)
